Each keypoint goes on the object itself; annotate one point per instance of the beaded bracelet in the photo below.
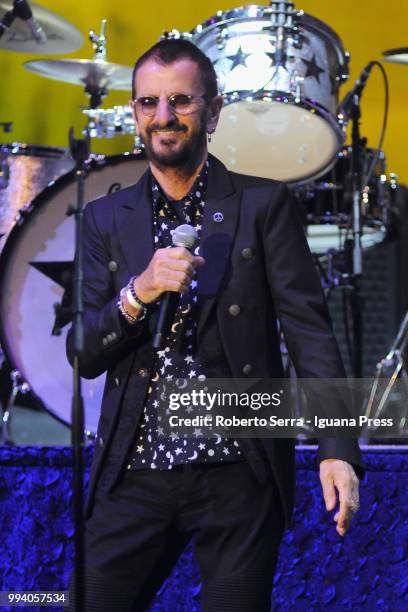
(135, 301)
(129, 318)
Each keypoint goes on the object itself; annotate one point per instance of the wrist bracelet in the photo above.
(129, 318)
(132, 300)
(131, 288)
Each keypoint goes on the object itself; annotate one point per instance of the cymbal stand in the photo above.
(391, 367)
(356, 271)
(80, 153)
(99, 43)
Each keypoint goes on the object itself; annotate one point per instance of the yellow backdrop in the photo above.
(43, 110)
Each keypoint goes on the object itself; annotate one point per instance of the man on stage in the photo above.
(149, 494)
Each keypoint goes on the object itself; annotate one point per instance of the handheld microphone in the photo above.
(357, 90)
(187, 237)
(23, 11)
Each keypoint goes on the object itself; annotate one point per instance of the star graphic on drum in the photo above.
(313, 70)
(272, 57)
(61, 273)
(239, 59)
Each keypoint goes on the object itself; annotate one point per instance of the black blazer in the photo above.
(276, 279)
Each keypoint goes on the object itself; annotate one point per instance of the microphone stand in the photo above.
(356, 300)
(80, 153)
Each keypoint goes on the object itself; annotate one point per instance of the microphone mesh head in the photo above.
(185, 236)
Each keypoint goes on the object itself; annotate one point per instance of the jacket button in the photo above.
(117, 382)
(114, 335)
(100, 441)
(247, 369)
(247, 253)
(143, 372)
(234, 310)
(105, 341)
(113, 266)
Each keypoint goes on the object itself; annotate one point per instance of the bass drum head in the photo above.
(45, 235)
(275, 140)
(25, 171)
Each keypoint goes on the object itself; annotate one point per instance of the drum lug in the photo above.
(298, 88)
(23, 213)
(221, 37)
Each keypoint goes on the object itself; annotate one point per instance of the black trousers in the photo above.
(137, 532)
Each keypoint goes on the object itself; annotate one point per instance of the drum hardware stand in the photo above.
(18, 386)
(284, 20)
(391, 367)
(7, 127)
(356, 267)
(97, 94)
(4, 169)
(80, 153)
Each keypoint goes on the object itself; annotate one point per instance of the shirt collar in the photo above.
(199, 186)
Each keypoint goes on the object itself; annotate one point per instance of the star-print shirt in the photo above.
(178, 358)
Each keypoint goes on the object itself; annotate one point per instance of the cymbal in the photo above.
(396, 56)
(60, 35)
(91, 74)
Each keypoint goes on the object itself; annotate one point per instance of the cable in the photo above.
(371, 169)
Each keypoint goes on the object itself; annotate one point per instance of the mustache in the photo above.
(172, 125)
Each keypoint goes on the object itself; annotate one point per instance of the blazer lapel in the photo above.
(134, 224)
(220, 220)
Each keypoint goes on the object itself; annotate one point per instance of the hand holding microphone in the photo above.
(168, 274)
(169, 269)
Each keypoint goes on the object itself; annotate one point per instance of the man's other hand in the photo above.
(339, 476)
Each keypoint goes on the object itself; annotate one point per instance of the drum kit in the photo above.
(279, 71)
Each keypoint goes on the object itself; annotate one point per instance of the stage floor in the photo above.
(367, 570)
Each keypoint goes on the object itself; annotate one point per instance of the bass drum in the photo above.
(25, 170)
(34, 266)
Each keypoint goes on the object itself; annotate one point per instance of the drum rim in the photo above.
(262, 11)
(95, 163)
(33, 150)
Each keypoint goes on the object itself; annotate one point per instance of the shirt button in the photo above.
(247, 369)
(143, 372)
(100, 440)
(234, 310)
(247, 253)
(117, 382)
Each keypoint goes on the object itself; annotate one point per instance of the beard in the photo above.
(186, 156)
